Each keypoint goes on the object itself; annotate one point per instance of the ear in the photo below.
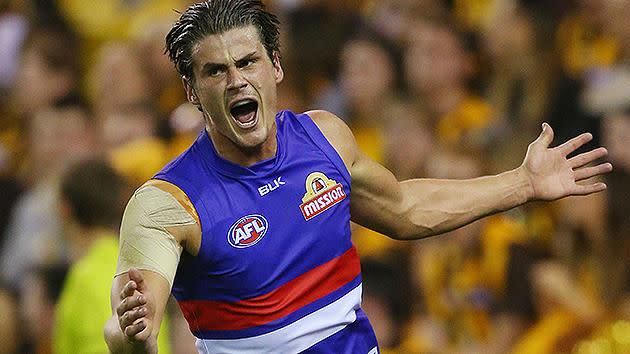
(278, 72)
(190, 92)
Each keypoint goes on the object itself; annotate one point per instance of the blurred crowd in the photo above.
(90, 108)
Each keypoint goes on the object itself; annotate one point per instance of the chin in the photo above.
(250, 138)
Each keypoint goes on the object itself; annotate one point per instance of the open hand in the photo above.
(552, 175)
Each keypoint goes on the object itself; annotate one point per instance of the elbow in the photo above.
(411, 232)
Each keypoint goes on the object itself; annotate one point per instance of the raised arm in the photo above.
(159, 222)
(418, 208)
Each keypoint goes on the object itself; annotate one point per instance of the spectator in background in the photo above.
(129, 117)
(10, 326)
(449, 274)
(49, 70)
(438, 70)
(519, 66)
(584, 47)
(518, 70)
(92, 199)
(47, 74)
(40, 291)
(369, 84)
(583, 43)
(368, 94)
(116, 20)
(386, 300)
(133, 147)
(118, 79)
(13, 29)
(166, 93)
(606, 97)
(57, 137)
(325, 26)
(393, 18)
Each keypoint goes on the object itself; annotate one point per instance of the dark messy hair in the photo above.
(95, 193)
(215, 17)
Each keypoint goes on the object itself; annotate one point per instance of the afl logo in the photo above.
(247, 231)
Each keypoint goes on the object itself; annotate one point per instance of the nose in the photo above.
(235, 79)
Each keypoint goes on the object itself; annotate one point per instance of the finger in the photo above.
(589, 188)
(128, 289)
(134, 329)
(144, 333)
(130, 317)
(129, 303)
(136, 275)
(573, 144)
(588, 172)
(546, 136)
(587, 157)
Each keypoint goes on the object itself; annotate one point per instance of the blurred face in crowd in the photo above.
(434, 58)
(616, 134)
(593, 11)
(59, 136)
(234, 83)
(120, 79)
(617, 14)
(38, 84)
(509, 36)
(392, 18)
(367, 73)
(125, 125)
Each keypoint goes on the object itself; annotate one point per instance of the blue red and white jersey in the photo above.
(276, 271)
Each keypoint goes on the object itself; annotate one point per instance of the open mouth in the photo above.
(244, 112)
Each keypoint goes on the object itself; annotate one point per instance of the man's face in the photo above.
(235, 85)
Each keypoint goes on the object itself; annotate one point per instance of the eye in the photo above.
(214, 70)
(246, 63)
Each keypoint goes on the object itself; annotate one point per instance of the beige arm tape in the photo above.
(145, 242)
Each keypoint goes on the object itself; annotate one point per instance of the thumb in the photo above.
(546, 136)
(136, 276)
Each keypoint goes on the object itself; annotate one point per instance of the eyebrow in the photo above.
(212, 66)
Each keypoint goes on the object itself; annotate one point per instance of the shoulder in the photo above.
(338, 134)
(177, 193)
(161, 205)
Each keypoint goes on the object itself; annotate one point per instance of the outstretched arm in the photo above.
(418, 208)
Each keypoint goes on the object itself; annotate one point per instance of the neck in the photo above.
(244, 155)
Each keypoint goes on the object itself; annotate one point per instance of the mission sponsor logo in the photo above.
(247, 231)
(321, 194)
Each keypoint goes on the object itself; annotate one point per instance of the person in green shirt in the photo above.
(93, 196)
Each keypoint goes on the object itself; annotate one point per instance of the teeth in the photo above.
(240, 103)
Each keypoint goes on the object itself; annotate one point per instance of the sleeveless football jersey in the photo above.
(276, 271)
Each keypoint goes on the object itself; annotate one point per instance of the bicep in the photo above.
(376, 197)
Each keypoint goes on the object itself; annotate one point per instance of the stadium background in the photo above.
(431, 88)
